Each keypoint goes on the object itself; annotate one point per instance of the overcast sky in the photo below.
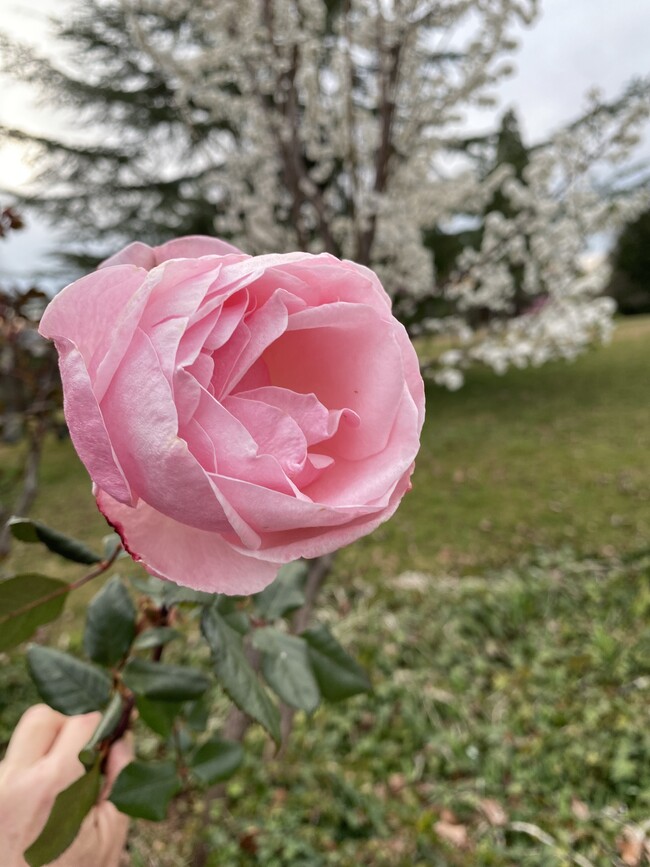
(574, 46)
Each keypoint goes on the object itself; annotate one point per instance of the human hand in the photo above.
(41, 761)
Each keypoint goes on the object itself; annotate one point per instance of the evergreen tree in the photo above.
(503, 148)
(630, 284)
(152, 175)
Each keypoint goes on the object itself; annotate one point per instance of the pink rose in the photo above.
(236, 412)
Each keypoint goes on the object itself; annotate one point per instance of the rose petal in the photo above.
(79, 312)
(192, 247)
(316, 421)
(265, 325)
(214, 328)
(143, 428)
(275, 432)
(266, 510)
(137, 253)
(306, 541)
(185, 555)
(86, 425)
(325, 350)
(327, 279)
(372, 480)
(236, 451)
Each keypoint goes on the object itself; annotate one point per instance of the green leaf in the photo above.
(285, 593)
(71, 807)
(107, 725)
(26, 603)
(33, 531)
(173, 594)
(239, 621)
(145, 790)
(65, 683)
(158, 715)
(235, 673)
(338, 675)
(167, 593)
(111, 543)
(229, 607)
(156, 637)
(164, 682)
(227, 604)
(196, 715)
(287, 668)
(110, 623)
(216, 760)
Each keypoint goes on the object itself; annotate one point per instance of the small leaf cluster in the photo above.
(257, 661)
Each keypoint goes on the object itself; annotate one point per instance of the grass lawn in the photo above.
(503, 615)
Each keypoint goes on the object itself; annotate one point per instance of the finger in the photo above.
(113, 828)
(73, 736)
(120, 755)
(100, 840)
(34, 736)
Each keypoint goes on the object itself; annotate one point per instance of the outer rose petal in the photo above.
(86, 425)
(190, 247)
(314, 542)
(185, 555)
(81, 312)
(193, 246)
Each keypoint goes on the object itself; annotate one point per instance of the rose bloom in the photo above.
(236, 412)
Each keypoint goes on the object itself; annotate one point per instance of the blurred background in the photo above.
(491, 160)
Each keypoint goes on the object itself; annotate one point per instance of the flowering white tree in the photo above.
(329, 125)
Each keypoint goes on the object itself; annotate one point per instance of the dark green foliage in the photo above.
(25, 604)
(114, 191)
(111, 718)
(235, 673)
(144, 790)
(156, 637)
(30, 531)
(285, 593)
(287, 668)
(630, 283)
(216, 760)
(110, 624)
(160, 682)
(65, 683)
(338, 675)
(158, 715)
(71, 807)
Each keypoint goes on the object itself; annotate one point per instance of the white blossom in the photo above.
(335, 136)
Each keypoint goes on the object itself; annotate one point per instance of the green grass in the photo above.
(503, 674)
(526, 687)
